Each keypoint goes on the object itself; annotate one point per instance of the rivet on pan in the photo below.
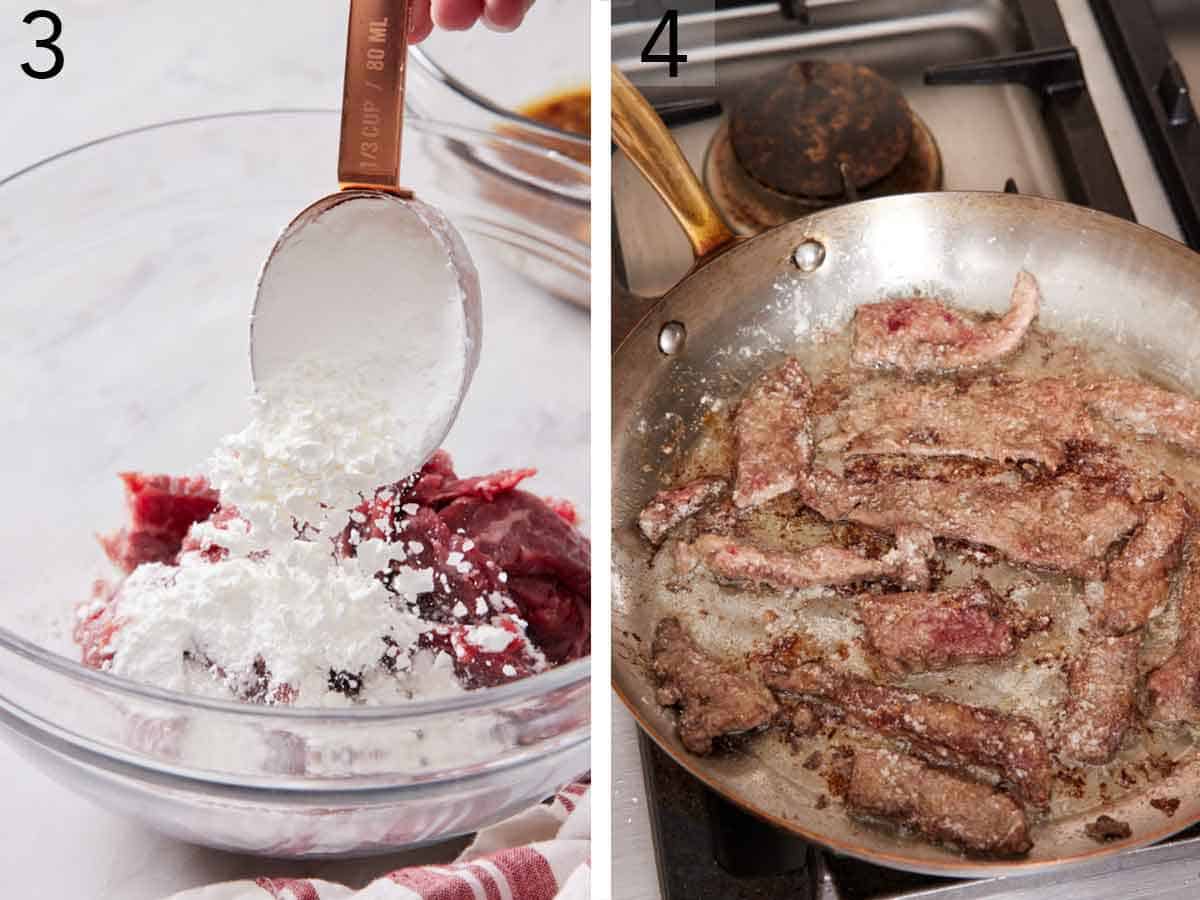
(809, 255)
(671, 337)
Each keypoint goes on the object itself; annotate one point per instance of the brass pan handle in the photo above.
(373, 96)
(643, 137)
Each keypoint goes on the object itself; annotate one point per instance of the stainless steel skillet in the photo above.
(747, 303)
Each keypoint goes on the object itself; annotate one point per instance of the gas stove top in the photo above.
(1071, 100)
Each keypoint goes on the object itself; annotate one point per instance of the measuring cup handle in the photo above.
(373, 96)
(640, 133)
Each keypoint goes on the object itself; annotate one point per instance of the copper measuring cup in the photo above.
(365, 268)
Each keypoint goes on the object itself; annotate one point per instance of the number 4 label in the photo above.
(670, 23)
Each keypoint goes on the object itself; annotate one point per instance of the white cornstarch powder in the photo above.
(356, 387)
(285, 609)
(318, 440)
(297, 610)
(321, 436)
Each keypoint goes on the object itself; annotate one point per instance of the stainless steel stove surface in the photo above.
(988, 134)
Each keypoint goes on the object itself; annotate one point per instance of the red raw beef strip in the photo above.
(565, 509)
(548, 563)
(484, 539)
(219, 520)
(439, 485)
(476, 667)
(462, 574)
(161, 510)
(525, 537)
(559, 621)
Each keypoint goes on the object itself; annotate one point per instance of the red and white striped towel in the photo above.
(543, 853)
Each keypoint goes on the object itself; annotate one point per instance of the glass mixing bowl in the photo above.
(127, 268)
(455, 76)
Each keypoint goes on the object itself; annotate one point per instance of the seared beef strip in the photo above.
(1116, 469)
(903, 467)
(1106, 829)
(997, 420)
(920, 335)
(672, 506)
(936, 728)
(827, 564)
(1173, 688)
(1139, 579)
(1063, 525)
(1148, 410)
(940, 805)
(1101, 692)
(713, 700)
(913, 551)
(771, 429)
(919, 632)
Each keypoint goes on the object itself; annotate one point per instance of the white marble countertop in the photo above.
(131, 63)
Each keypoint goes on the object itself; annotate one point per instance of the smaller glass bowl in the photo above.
(482, 79)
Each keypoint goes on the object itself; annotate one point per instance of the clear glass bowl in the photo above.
(481, 79)
(456, 76)
(128, 268)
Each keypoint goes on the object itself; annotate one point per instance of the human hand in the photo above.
(458, 15)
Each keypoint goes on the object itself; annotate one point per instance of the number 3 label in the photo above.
(670, 23)
(46, 43)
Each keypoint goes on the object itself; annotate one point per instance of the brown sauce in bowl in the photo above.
(569, 111)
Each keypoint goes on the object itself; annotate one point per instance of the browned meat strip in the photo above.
(1148, 410)
(1173, 688)
(771, 429)
(920, 335)
(941, 730)
(1063, 525)
(1139, 579)
(826, 564)
(713, 700)
(918, 632)
(1116, 469)
(893, 467)
(912, 553)
(994, 420)
(939, 804)
(1101, 691)
(672, 506)
(1106, 829)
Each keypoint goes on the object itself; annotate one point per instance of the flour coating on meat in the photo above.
(824, 565)
(1139, 579)
(1148, 410)
(940, 805)
(920, 335)
(999, 420)
(920, 632)
(671, 507)
(1173, 689)
(941, 730)
(772, 434)
(1101, 697)
(713, 700)
(1062, 525)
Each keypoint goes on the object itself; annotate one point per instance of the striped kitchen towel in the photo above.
(543, 853)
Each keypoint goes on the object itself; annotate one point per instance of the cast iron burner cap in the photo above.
(814, 135)
(793, 132)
